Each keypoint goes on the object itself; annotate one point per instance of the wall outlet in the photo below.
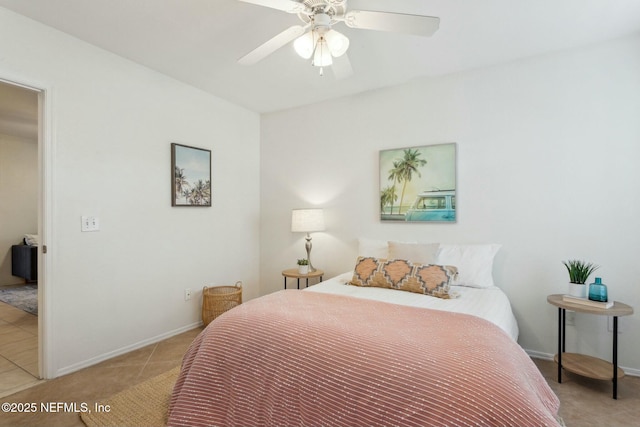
(570, 318)
(187, 294)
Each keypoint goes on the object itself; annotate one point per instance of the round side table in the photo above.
(581, 364)
(292, 273)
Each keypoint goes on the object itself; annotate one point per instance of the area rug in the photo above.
(24, 297)
(145, 404)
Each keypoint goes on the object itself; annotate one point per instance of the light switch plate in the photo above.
(90, 223)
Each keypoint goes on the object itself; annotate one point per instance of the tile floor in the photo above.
(97, 383)
(584, 402)
(587, 402)
(18, 349)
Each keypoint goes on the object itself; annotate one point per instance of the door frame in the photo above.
(46, 150)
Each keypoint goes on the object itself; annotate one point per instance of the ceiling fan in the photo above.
(315, 39)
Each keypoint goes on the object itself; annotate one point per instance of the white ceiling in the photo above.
(199, 41)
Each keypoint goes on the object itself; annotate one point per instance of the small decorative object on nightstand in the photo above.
(598, 291)
(581, 364)
(579, 272)
(293, 273)
(303, 266)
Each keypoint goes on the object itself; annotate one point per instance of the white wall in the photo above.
(113, 122)
(547, 166)
(19, 198)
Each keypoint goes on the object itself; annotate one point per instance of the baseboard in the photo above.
(546, 356)
(106, 356)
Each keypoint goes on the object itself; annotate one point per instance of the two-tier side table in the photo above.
(581, 364)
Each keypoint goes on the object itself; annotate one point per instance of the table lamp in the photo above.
(307, 221)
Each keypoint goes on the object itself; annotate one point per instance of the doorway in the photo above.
(20, 249)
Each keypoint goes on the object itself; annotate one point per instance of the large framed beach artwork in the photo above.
(418, 184)
(190, 176)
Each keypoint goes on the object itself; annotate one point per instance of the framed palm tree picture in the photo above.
(190, 176)
(418, 184)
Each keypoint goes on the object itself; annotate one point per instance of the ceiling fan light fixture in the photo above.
(316, 40)
(338, 43)
(304, 45)
(322, 55)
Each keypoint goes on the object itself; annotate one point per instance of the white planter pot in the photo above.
(577, 290)
(303, 269)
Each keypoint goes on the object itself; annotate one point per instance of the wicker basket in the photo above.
(218, 299)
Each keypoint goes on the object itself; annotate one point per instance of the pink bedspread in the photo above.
(309, 359)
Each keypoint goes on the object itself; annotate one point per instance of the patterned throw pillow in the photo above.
(428, 279)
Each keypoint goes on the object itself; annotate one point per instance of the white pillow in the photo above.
(31, 239)
(474, 262)
(419, 253)
(372, 248)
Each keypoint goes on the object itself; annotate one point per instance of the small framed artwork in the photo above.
(418, 184)
(190, 176)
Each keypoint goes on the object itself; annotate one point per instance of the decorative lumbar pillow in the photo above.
(423, 253)
(474, 262)
(428, 279)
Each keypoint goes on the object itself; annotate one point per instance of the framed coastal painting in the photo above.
(418, 184)
(190, 176)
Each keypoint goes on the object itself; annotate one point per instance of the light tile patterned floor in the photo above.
(18, 349)
(587, 402)
(97, 383)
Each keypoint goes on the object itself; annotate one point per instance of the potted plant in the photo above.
(303, 266)
(579, 272)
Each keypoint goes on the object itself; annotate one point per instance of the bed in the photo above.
(343, 355)
(488, 303)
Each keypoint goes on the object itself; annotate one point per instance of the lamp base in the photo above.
(307, 246)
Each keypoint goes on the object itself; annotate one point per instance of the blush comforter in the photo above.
(309, 359)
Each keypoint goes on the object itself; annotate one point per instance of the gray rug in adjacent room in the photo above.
(24, 297)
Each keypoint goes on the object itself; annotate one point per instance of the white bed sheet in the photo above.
(488, 303)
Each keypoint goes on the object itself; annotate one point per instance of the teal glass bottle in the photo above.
(598, 291)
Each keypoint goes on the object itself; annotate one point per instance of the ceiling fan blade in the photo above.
(289, 6)
(395, 22)
(341, 67)
(272, 45)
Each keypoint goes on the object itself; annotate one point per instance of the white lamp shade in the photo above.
(307, 220)
(304, 45)
(322, 56)
(338, 43)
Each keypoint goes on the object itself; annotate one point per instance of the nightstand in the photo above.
(293, 274)
(581, 364)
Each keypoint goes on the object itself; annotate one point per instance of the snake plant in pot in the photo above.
(579, 272)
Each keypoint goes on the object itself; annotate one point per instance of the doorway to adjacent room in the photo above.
(20, 219)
